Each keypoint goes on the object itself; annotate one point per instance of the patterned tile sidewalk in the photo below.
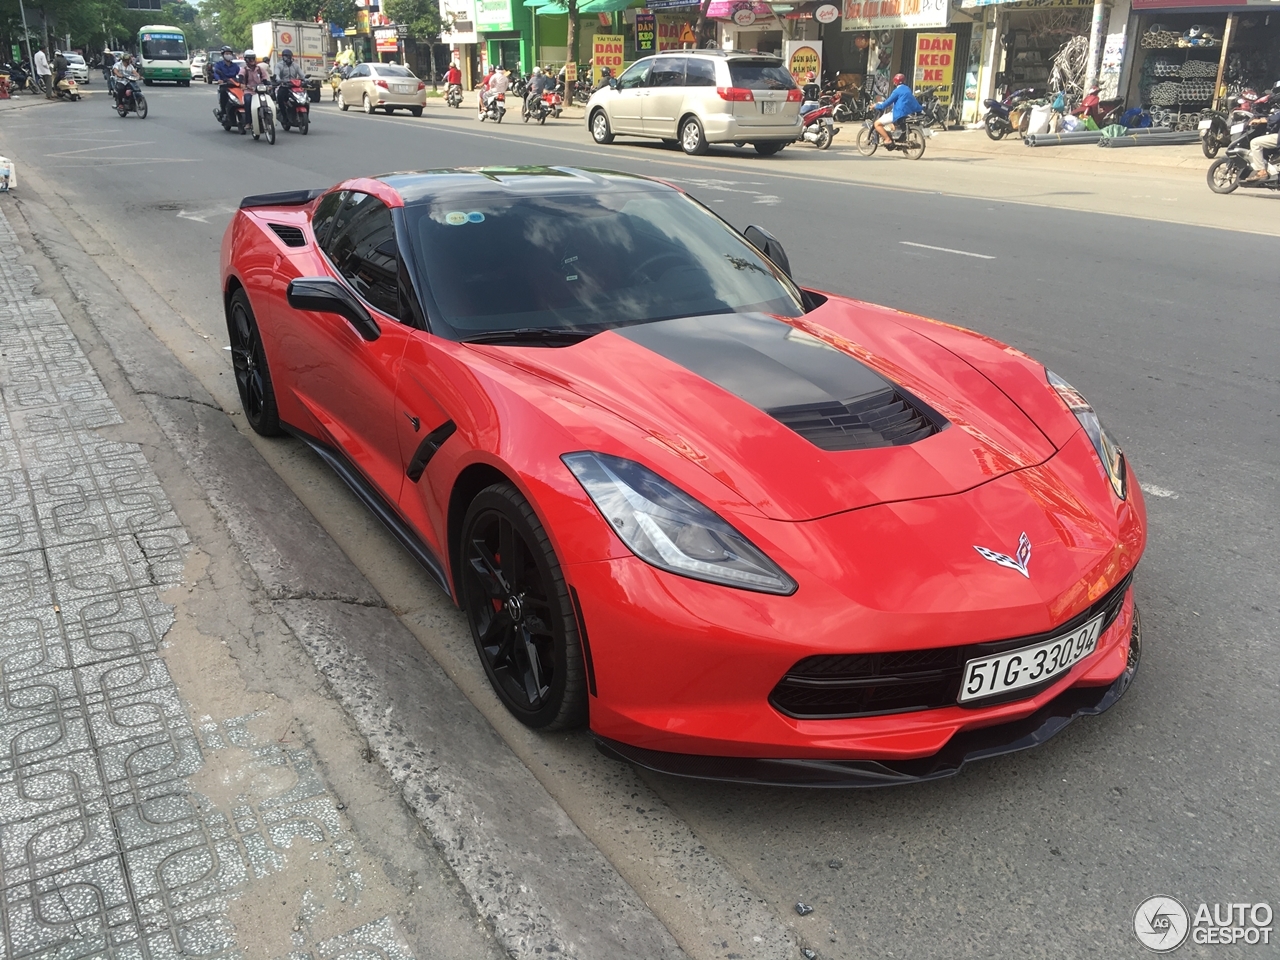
(106, 849)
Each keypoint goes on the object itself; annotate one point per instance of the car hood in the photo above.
(799, 420)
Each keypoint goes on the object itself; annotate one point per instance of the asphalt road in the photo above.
(1166, 324)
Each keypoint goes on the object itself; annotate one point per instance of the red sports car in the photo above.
(742, 529)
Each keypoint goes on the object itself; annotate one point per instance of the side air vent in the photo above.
(886, 418)
(291, 236)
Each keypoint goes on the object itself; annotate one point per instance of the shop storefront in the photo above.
(883, 25)
(1186, 57)
(461, 38)
(505, 28)
(744, 25)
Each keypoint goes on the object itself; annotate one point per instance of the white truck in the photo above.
(304, 38)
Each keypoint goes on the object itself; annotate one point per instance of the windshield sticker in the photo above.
(455, 219)
(475, 218)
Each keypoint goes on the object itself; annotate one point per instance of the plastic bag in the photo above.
(1060, 103)
(1114, 130)
(1071, 124)
(1089, 123)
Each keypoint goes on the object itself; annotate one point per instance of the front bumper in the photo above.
(979, 744)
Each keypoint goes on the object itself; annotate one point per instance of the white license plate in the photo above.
(403, 88)
(1237, 128)
(768, 106)
(1029, 666)
(1205, 124)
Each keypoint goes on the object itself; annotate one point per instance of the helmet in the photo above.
(899, 78)
(226, 49)
(606, 72)
(1275, 90)
(810, 76)
(286, 54)
(250, 55)
(127, 57)
(537, 71)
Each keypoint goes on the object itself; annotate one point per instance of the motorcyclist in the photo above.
(901, 102)
(252, 74)
(121, 73)
(224, 70)
(539, 84)
(605, 76)
(453, 76)
(811, 90)
(494, 84)
(286, 70)
(1268, 141)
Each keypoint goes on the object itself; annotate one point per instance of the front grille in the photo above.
(835, 686)
(887, 418)
(292, 236)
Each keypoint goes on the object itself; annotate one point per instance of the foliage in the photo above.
(231, 21)
(422, 17)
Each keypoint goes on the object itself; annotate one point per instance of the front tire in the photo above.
(368, 104)
(1210, 146)
(868, 141)
(1224, 175)
(269, 128)
(142, 108)
(601, 132)
(305, 126)
(692, 140)
(517, 605)
(249, 361)
(995, 128)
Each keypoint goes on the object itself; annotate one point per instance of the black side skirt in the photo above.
(374, 500)
(961, 749)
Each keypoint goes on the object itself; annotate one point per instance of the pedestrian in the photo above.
(44, 76)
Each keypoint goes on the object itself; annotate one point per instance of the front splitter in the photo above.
(963, 748)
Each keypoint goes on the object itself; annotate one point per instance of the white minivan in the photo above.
(699, 97)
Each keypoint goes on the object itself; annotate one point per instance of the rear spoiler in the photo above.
(289, 198)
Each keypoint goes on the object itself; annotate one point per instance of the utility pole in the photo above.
(26, 33)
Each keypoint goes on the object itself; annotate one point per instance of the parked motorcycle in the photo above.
(908, 137)
(1215, 131)
(1228, 171)
(496, 108)
(819, 128)
(933, 110)
(520, 87)
(129, 99)
(20, 78)
(1103, 112)
(1002, 116)
(453, 96)
(264, 113)
(296, 108)
(234, 114)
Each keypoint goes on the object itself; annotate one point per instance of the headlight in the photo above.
(664, 526)
(1108, 451)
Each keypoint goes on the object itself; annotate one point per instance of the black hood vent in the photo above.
(826, 396)
(292, 236)
(888, 418)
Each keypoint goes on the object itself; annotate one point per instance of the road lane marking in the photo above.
(961, 253)
(1155, 491)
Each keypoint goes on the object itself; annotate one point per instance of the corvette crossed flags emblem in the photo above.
(1017, 562)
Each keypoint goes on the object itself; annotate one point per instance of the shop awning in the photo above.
(605, 6)
(725, 9)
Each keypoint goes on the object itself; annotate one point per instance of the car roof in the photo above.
(476, 182)
(719, 54)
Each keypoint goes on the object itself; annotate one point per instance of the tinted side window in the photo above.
(667, 72)
(635, 76)
(760, 75)
(362, 245)
(322, 219)
(700, 73)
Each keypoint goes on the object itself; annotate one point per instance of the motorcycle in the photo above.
(296, 109)
(129, 99)
(520, 87)
(264, 113)
(933, 110)
(496, 109)
(547, 105)
(908, 137)
(453, 96)
(334, 78)
(20, 78)
(67, 89)
(1228, 172)
(819, 128)
(1103, 112)
(233, 115)
(1003, 116)
(1215, 131)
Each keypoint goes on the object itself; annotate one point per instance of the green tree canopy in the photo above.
(422, 17)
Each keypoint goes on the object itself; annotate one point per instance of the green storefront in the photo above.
(506, 28)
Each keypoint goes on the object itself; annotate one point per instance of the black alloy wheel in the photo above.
(253, 377)
(517, 604)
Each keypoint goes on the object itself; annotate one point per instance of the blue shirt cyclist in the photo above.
(898, 104)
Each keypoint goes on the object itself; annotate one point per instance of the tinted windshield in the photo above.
(586, 263)
(392, 70)
(760, 75)
(164, 46)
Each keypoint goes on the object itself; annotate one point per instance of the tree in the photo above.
(422, 17)
(571, 35)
